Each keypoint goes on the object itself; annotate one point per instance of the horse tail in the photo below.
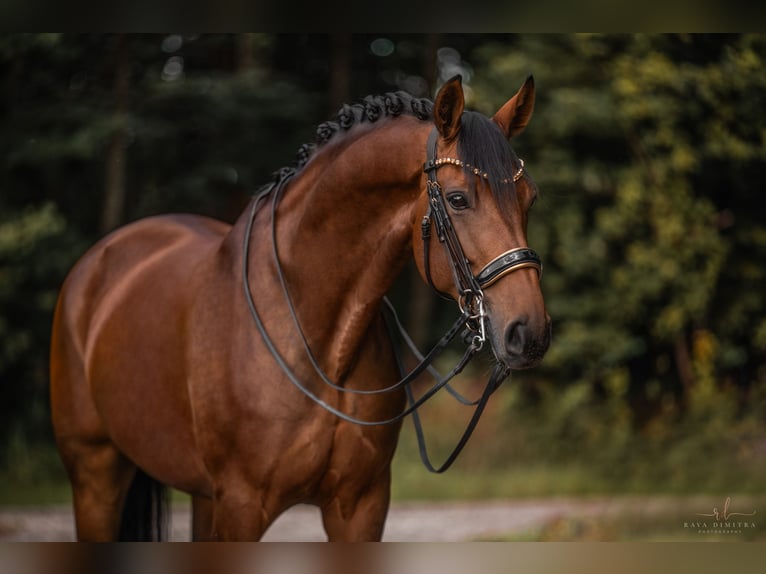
(145, 514)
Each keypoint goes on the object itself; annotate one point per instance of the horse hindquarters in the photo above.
(118, 394)
(99, 474)
(109, 504)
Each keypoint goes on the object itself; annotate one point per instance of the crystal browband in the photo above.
(438, 162)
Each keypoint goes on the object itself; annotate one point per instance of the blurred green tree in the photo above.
(648, 150)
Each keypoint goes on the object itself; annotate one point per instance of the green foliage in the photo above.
(36, 248)
(20, 241)
(647, 150)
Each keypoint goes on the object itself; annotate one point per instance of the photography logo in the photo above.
(722, 521)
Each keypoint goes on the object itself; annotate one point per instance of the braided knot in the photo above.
(422, 108)
(393, 104)
(346, 117)
(372, 109)
(304, 153)
(325, 131)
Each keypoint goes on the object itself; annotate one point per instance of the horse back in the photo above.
(152, 252)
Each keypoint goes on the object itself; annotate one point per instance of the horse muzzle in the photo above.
(524, 345)
(520, 343)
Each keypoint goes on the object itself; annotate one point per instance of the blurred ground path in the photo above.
(432, 521)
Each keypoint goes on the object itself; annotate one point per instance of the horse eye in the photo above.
(457, 201)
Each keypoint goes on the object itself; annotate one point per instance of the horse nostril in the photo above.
(514, 336)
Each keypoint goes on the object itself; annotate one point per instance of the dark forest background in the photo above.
(649, 151)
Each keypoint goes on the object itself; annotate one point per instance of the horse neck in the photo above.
(344, 232)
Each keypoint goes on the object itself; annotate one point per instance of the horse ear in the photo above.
(448, 107)
(514, 116)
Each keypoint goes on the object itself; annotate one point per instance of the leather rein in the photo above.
(471, 320)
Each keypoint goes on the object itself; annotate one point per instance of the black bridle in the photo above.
(469, 286)
(470, 301)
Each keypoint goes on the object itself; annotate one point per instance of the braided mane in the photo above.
(370, 109)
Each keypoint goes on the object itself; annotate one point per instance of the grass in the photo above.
(577, 449)
(469, 480)
(14, 493)
(411, 481)
(33, 476)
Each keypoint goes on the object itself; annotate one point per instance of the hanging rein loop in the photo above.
(275, 190)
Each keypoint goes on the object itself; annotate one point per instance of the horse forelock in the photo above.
(482, 144)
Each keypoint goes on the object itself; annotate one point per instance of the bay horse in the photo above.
(159, 376)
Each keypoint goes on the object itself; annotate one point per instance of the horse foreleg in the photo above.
(239, 514)
(202, 518)
(359, 518)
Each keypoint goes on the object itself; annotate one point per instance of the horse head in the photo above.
(475, 203)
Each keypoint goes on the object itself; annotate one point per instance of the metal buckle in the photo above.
(471, 303)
